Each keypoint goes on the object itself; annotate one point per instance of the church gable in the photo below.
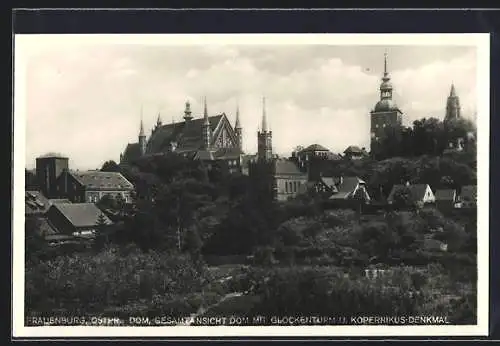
(224, 135)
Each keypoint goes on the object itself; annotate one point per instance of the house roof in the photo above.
(52, 155)
(353, 149)
(417, 191)
(286, 167)
(469, 192)
(35, 202)
(445, 194)
(187, 135)
(96, 180)
(340, 195)
(349, 184)
(314, 147)
(59, 200)
(81, 214)
(329, 181)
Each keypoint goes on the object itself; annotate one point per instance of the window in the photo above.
(286, 187)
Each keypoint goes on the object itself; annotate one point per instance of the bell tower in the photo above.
(264, 138)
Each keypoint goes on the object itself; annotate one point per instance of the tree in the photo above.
(403, 197)
(101, 236)
(110, 166)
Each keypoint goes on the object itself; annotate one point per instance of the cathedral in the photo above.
(207, 138)
(386, 115)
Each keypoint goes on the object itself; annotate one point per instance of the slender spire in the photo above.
(386, 77)
(158, 120)
(205, 111)
(141, 131)
(237, 125)
(453, 93)
(264, 120)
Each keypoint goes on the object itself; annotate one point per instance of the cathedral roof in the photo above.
(132, 151)
(386, 105)
(185, 134)
(286, 167)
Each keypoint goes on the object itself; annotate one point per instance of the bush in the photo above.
(89, 283)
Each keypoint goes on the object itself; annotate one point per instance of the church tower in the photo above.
(264, 138)
(386, 116)
(142, 138)
(452, 106)
(238, 129)
(205, 127)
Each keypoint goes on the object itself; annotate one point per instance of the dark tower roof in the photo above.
(237, 124)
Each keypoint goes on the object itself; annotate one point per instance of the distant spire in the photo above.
(158, 120)
(237, 125)
(453, 93)
(385, 64)
(205, 111)
(264, 120)
(141, 131)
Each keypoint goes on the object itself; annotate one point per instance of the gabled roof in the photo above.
(97, 180)
(81, 214)
(314, 147)
(445, 195)
(469, 192)
(417, 191)
(353, 149)
(349, 184)
(185, 134)
(286, 167)
(35, 202)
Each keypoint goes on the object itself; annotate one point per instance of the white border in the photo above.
(26, 43)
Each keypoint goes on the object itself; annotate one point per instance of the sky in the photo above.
(84, 100)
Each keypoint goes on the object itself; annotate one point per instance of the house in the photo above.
(91, 186)
(468, 196)
(355, 153)
(76, 219)
(279, 178)
(419, 193)
(324, 185)
(349, 187)
(35, 203)
(446, 199)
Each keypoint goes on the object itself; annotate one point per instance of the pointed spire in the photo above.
(205, 111)
(141, 131)
(453, 93)
(385, 64)
(158, 120)
(264, 120)
(237, 124)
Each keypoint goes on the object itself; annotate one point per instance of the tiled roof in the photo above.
(314, 147)
(59, 200)
(286, 167)
(185, 134)
(353, 149)
(469, 192)
(96, 180)
(228, 153)
(329, 181)
(35, 202)
(445, 195)
(349, 184)
(417, 191)
(81, 214)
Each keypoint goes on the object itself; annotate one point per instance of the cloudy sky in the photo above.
(84, 100)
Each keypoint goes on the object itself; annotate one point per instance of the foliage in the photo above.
(110, 166)
(87, 283)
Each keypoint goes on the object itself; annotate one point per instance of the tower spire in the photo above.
(237, 124)
(141, 130)
(385, 64)
(205, 111)
(453, 93)
(264, 118)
